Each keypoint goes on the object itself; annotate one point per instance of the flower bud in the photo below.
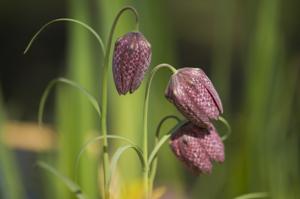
(191, 91)
(131, 59)
(196, 147)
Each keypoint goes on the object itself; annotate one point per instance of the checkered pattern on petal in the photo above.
(193, 94)
(131, 60)
(196, 147)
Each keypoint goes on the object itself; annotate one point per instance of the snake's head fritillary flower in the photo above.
(131, 60)
(196, 147)
(194, 95)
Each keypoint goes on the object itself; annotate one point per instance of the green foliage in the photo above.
(257, 75)
(73, 187)
(10, 182)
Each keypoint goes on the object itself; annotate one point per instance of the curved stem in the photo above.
(92, 141)
(45, 95)
(145, 132)
(152, 158)
(162, 141)
(162, 122)
(224, 121)
(118, 154)
(153, 166)
(68, 20)
(104, 96)
(69, 183)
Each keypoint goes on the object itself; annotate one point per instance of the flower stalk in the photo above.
(195, 142)
(104, 96)
(145, 131)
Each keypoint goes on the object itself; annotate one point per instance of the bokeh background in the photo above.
(250, 49)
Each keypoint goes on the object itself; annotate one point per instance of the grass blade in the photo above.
(92, 141)
(91, 98)
(66, 20)
(161, 142)
(157, 136)
(118, 154)
(69, 183)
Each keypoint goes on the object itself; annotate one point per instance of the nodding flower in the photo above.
(194, 95)
(131, 60)
(196, 147)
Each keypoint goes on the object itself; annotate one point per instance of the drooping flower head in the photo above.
(131, 60)
(194, 95)
(196, 147)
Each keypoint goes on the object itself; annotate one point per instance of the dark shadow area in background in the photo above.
(24, 77)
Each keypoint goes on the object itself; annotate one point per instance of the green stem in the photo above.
(224, 121)
(92, 141)
(153, 166)
(104, 97)
(65, 20)
(145, 140)
(46, 92)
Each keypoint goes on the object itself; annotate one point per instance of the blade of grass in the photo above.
(263, 60)
(75, 85)
(75, 118)
(65, 20)
(153, 168)
(118, 154)
(92, 141)
(283, 148)
(160, 143)
(73, 187)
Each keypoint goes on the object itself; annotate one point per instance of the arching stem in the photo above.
(145, 132)
(104, 97)
(153, 166)
(66, 20)
(224, 121)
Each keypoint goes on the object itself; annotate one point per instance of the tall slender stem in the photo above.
(145, 139)
(104, 96)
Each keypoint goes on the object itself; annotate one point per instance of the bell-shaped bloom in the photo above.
(196, 147)
(194, 95)
(131, 60)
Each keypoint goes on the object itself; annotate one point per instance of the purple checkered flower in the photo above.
(194, 95)
(131, 60)
(196, 147)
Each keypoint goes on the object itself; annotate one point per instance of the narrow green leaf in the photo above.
(153, 167)
(161, 142)
(158, 146)
(73, 187)
(94, 140)
(253, 195)
(91, 98)
(66, 20)
(162, 121)
(118, 154)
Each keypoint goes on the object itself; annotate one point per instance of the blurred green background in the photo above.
(250, 49)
